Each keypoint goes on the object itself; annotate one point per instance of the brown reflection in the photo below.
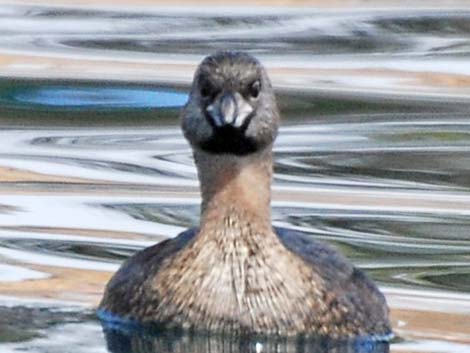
(13, 175)
(417, 324)
(97, 233)
(67, 284)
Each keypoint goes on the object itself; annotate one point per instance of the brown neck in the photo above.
(235, 186)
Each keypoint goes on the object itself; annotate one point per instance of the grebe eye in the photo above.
(207, 89)
(255, 88)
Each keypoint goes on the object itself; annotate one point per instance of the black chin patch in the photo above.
(229, 140)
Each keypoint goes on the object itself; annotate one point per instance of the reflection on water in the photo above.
(373, 157)
(96, 97)
(121, 341)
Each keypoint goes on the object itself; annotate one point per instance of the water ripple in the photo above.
(299, 32)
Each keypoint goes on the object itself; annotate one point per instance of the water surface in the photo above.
(373, 157)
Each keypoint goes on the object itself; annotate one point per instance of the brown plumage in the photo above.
(235, 273)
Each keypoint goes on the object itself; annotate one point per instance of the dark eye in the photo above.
(207, 89)
(254, 89)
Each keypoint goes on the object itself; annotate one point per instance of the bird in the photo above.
(236, 273)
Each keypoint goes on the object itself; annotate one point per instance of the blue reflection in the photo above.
(99, 97)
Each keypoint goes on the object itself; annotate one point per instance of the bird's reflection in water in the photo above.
(139, 341)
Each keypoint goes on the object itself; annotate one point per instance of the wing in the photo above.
(350, 285)
(334, 266)
(124, 290)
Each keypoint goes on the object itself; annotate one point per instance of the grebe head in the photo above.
(231, 108)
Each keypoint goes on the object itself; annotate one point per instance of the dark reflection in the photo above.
(186, 216)
(114, 141)
(95, 164)
(457, 279)
(103, 252)
(327, 44)
(23, 323)
(135, 341)
(450, 24)
(399, 167)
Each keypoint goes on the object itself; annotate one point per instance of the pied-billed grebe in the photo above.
(236, 273)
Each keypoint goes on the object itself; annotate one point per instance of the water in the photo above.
(373, 157)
